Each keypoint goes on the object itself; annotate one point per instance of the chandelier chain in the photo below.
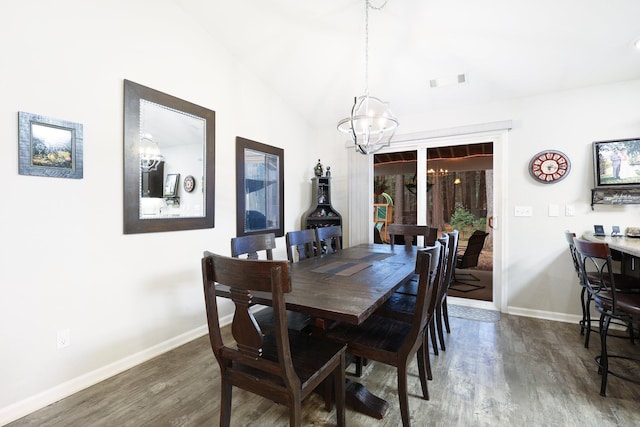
(368, 6)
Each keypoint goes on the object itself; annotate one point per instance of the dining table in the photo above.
(346, 286)
(628, 247)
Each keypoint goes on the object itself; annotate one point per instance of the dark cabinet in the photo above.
(321, 213)
(153, 181)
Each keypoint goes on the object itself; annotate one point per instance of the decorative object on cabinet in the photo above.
(318, 169)
(549, 166)
(615, 196)
(321, 213)
(49, 147)
(616, 163)
(185, 133)
(189, 183)
(259, 188)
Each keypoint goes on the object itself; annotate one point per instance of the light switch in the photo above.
(523, 211)
(570, 210)
(554, 210)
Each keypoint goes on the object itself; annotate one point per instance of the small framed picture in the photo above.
(49, 147)
(171, 185)
(598, 230)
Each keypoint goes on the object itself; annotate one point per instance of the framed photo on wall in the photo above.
(49, 147)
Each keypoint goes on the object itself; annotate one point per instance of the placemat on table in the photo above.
(342, 268)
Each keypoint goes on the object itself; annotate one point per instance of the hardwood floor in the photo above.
(514, 372)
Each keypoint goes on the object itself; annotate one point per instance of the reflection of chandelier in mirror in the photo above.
(150, 155)
(371, 123)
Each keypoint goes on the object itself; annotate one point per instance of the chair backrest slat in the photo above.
(596, 270)
(329, 238)
(252, 244)
(303, 244)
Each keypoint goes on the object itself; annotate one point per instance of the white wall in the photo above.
(64, 261)
(539, 275)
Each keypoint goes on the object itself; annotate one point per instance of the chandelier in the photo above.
(371, 123)
(150, 155)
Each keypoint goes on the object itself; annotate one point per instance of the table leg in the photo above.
(363, 401)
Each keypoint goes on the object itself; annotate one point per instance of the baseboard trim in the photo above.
(22, 408)
(545, 315)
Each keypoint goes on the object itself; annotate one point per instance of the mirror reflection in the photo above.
(261, 172)
(171, 146)
(260, 188)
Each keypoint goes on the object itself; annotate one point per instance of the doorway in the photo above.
(457, 185)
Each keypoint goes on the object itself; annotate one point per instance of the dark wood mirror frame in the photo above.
(133, 93)
(241, 227)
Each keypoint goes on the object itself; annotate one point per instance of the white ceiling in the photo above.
(312, 53)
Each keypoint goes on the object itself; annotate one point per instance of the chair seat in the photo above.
(309, 355)
(376, 332)
(398, 307)
(409, 288)
(627, 303)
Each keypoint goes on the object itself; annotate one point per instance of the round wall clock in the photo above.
(189, 184)
(549, 166)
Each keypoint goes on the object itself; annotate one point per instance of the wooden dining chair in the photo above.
(252, 247)
(410, 233)
(395, 342)
(614, 306)
(467, 259)
(284, 366)
(302, 244)
(329, 238)
(441, 314)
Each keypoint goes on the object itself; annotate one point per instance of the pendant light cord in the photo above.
(368, 6)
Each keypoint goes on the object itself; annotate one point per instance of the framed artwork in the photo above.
(49, 147)
(171, 185)
(616, 163)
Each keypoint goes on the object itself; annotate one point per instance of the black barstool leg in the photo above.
(604, 358)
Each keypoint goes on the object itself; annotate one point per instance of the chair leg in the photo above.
(583, 322)
(438, 317)
(339, 392)
(425, 349)
(604, 357)
(422, 358)
(432, 331)
(295, 411)
(445, 315)
(587, 308)
(225, 402)
(403, 394)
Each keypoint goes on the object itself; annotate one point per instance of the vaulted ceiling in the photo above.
(311, 53)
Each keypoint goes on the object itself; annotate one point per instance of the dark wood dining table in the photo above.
(346, 286)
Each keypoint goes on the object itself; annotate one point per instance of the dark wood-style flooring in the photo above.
(514, 372)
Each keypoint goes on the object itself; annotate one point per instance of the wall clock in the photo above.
(189, 183)
(549, 166)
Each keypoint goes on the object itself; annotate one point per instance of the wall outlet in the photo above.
(523, 211)
(64, 338)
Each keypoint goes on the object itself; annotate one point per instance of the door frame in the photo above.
(361, 168)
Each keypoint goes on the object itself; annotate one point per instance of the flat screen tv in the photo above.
(616, 163)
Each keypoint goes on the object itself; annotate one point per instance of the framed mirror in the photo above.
(259, 188)
(165, 138)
